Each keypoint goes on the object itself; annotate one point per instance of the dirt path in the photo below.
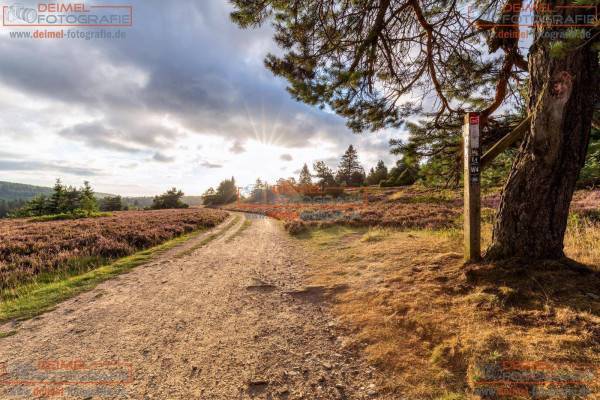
(230, 320)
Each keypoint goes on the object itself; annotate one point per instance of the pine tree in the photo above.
(256, 195)
(88, 201)
(325, 175)
(71, 200)
(350, 172)
(378, 174)
(111, 203)
(55, 204)
(305, 178)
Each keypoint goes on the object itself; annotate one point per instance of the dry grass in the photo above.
(582, 241)
(375, 235)
(428, 322)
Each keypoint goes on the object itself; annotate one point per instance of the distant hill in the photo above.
(19, 191)
(10, 191)
(16, 194)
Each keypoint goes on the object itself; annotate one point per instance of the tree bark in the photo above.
(534, 208)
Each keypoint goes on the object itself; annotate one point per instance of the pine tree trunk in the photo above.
(532, 218)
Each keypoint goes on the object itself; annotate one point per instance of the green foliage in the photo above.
(496, 174)
(573, 38)
(87, 199)
(366, 61)
(558, 49)
(401, 175)
(62, 200)
(334, 192)
(590, 173)
(324, 174)
(112, 203)
(77, 214)
(377, 174)
(350, 172)
(226, 193)
(170, 199)
(8, 206)
(406, 171)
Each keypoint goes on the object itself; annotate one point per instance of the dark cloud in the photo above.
(286, 157)
(12, 165)
(187, 61)
(96, 135)
(207, 164)
(159, 157)
(137, 138)
(237, 148)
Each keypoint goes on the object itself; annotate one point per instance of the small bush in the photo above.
(295, 227)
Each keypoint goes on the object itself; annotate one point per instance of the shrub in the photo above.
(295, 227)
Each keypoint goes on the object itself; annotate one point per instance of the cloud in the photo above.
(224, 90)
(207, 164)
(185, 75)
(286, 157)
(10, 165)
(132, 138)
(159, 157)
(237, 147)
(6, 154)
(96, 135)
(129, 165)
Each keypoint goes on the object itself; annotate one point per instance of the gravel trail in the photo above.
(232, 319)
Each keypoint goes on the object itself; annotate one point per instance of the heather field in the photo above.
(411, 208)
(30, 249)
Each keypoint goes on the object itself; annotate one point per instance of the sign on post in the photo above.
(472, 200)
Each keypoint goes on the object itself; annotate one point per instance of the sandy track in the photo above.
(231, 320)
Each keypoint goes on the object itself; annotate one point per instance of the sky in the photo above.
(183, 100)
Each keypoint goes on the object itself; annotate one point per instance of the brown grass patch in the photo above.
(429, 323)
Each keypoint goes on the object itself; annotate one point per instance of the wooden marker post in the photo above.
(472, 211)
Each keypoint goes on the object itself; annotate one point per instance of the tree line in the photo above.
(62, 200)
(323, 180)
(79, 202)
(350, 173)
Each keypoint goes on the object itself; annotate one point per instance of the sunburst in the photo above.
(265, 131)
